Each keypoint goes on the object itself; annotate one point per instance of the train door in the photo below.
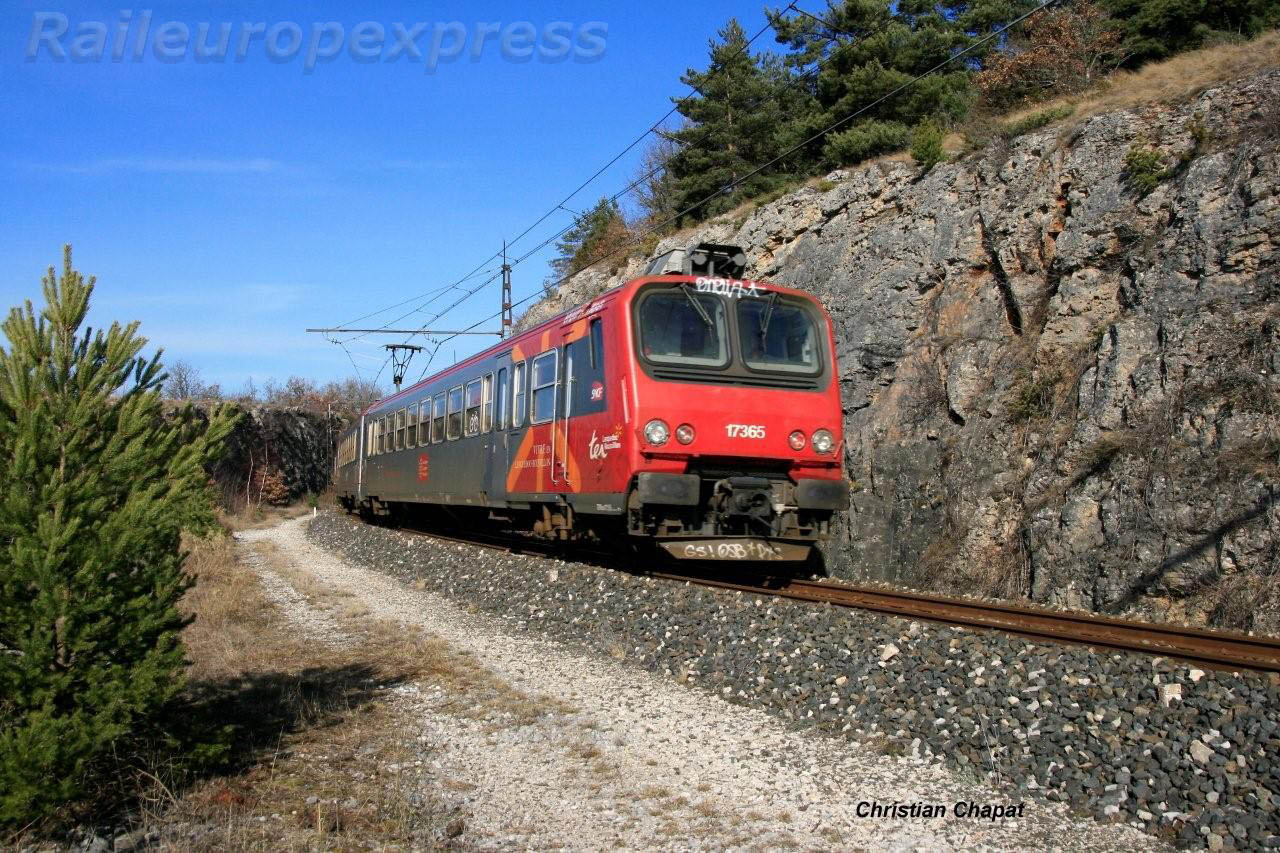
(518, 421)
(560, 444)
(590, 437)
(498, 453)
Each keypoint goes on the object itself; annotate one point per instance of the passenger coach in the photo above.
(688, 407)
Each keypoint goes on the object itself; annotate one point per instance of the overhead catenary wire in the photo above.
(432, 295)
(995, 34)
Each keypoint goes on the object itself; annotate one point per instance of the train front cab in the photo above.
(738, 426)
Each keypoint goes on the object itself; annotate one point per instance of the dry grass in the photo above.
(1171, 81)
(313, 732)
(261, 517)
(322, 756)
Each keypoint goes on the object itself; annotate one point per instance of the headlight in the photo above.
(823, 441)
(657, 432)
(796, 440)
(685, 434)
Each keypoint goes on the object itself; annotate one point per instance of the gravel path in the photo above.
(634, 760)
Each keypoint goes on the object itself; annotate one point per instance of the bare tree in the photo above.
(653, 195)
(185, 383)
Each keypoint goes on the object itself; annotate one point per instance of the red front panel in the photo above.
(730, 422)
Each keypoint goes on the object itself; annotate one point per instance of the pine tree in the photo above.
(863, 50)
(96, 485)
(1154, 29)
(736, 120)
(599, 232)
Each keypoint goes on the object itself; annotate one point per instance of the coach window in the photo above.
(597, 344)
(486, 416)
(500, 399)
(472, 420)
(437, 422)
(518, 394)
(544, 387)
(382, 435)
(400, 429)
(424, 423)
(411, 426)
(455, 413)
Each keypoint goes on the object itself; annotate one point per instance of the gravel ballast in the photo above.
(1188, 755)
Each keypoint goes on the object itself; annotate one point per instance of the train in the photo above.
(687, 409)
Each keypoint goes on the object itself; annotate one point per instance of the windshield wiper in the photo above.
(687, 289)
(767, 316)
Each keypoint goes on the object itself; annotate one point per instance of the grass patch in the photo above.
(1031, 397)
(1036, 121)
(1172, 81)
(309, 723)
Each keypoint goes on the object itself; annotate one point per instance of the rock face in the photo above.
(1054, 387)
(293, 447)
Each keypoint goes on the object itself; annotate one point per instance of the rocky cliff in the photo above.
(274, 455)
(1055, 387)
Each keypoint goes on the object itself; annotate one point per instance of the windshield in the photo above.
(674, 331)
(777, 335)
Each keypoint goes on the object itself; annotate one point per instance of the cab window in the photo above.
(682, 327)
(777, 335)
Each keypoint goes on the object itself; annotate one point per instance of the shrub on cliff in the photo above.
(96, 487)
(926, 145)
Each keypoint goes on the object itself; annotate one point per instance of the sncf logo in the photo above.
(744, 431)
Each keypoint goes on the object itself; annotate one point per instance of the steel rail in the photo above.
(1217, 649)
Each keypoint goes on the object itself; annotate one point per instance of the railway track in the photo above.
(1216, 649)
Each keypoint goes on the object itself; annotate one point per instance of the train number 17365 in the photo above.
(744, 431)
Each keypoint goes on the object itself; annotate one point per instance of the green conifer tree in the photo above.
(737, 119)
(596, 233)
(866, 49)
(96, 485)
(1154, 29)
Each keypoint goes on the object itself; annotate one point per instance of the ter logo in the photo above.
(424, 467)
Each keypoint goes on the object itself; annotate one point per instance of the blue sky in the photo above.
(229, 205)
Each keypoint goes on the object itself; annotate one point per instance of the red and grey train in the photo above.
(687, 407)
